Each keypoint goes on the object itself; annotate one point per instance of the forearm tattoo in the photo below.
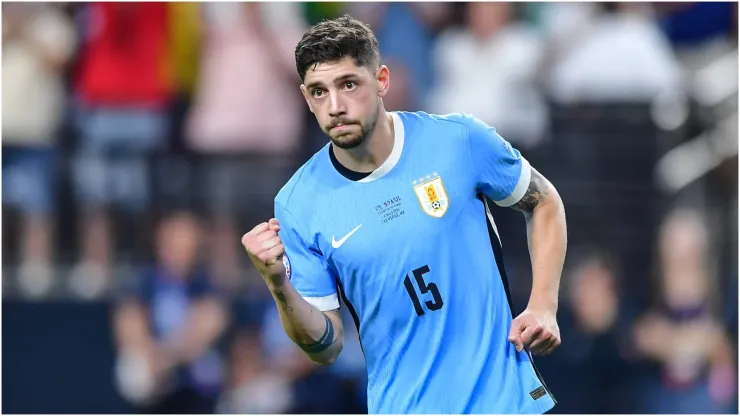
(324, 342)
(536, 191)
(283, 302)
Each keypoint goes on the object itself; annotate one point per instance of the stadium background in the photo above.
(157, 133)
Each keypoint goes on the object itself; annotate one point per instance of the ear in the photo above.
(383, 76)
(305, 97)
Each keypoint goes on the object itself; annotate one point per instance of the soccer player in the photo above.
(392, 216)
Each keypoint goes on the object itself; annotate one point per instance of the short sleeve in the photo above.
(305, 266)
(502, 173)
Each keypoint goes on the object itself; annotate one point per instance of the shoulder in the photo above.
(442, 123)
(447, 131)
(460, 119)
(306, 181)
(473, 128)
(471, 133)
(450, 119)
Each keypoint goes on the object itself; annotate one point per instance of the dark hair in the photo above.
(333, 40)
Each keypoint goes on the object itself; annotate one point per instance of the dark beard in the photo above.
(364, 134)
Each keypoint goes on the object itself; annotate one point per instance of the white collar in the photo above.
(395, 155)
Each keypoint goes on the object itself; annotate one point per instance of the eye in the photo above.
(317, 93)
(350, 85)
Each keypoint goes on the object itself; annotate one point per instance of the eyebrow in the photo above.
(337, 80)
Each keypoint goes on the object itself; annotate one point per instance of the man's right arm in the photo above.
(318, 334)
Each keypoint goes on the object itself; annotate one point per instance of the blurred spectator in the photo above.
(166, 333)
(254, 386)
(248, 97)
(123, 86)
(339, 388)
(562, 24)
(682, 334)
(592, 375)
(215, 85)
(401, 96)
(316, 11)
(488, 68)
(405, 33)
(615, 54)
(38, 41)
(185, 34)
(173, 170)
(248, 101)
(695, 24)
(351, 368)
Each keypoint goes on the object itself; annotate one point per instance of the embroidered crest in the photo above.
(432, 195)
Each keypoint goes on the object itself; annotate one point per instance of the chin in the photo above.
(347, 139)
(347, 142)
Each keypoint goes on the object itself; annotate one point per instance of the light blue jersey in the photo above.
(413, 251)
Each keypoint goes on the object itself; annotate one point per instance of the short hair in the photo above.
(333, 40)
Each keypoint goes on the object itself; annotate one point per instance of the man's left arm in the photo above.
(506, 177)
(536, 328)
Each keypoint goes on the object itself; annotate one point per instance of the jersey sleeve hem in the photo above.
(521, 186)
(324, 303)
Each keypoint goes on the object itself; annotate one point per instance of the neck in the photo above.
(376, 148)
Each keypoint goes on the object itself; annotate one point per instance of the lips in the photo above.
(341, 127)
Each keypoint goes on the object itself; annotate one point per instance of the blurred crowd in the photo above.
(141, 140)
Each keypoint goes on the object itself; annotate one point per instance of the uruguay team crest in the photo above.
(432, 195)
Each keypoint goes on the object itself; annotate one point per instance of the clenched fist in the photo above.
(535, 330)
(266, 250)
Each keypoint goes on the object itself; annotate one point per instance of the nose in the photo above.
(336, 106)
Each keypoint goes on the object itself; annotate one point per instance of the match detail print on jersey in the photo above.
(432, 195)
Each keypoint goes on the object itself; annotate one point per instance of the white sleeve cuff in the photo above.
(521, 187)
(324, 303)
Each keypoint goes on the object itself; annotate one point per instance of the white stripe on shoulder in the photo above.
(324, 303)
(521, 186)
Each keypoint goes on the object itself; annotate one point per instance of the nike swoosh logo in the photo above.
(337, 244)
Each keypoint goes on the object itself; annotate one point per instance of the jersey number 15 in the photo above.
(433, 305)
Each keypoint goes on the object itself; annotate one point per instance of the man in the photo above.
(393, 216)
(38, 42)
(168, 329)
